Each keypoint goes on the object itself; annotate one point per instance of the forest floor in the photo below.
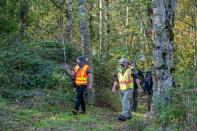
(51, 110)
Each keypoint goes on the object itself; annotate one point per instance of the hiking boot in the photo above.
(75, 112)
(83, 112)
(121, 118)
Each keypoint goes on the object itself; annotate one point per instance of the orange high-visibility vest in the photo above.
(81, 77)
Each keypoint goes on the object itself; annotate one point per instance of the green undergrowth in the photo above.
(51, 109)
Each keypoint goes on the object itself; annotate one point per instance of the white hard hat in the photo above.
(123, 60)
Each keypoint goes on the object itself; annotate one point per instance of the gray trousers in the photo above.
(126, 97)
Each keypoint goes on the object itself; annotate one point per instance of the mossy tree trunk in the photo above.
(163, 52)
(86, 51)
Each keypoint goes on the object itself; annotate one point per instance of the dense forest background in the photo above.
(37, 38)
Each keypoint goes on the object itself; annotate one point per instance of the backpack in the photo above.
(148, 83)
(141, 76)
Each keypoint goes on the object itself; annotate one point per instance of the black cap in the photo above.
(81, 58)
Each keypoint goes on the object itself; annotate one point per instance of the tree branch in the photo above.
(146, 33)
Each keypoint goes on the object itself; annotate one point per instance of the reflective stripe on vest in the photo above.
(126, 80)
(81, 75)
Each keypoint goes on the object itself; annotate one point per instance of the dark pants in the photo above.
(135, 99)
(148, 89)
(80, 99)
(149, 101)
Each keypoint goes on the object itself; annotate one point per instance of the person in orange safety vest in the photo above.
(82, 79)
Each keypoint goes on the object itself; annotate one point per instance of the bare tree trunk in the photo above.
(37, 16)
(102, 37)
(107, 22)
(150, 13)
(86, 41)
(69, 24)
(163, 52)
(24, 7)
(127, 22)
(195, 48)
(92, 33)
